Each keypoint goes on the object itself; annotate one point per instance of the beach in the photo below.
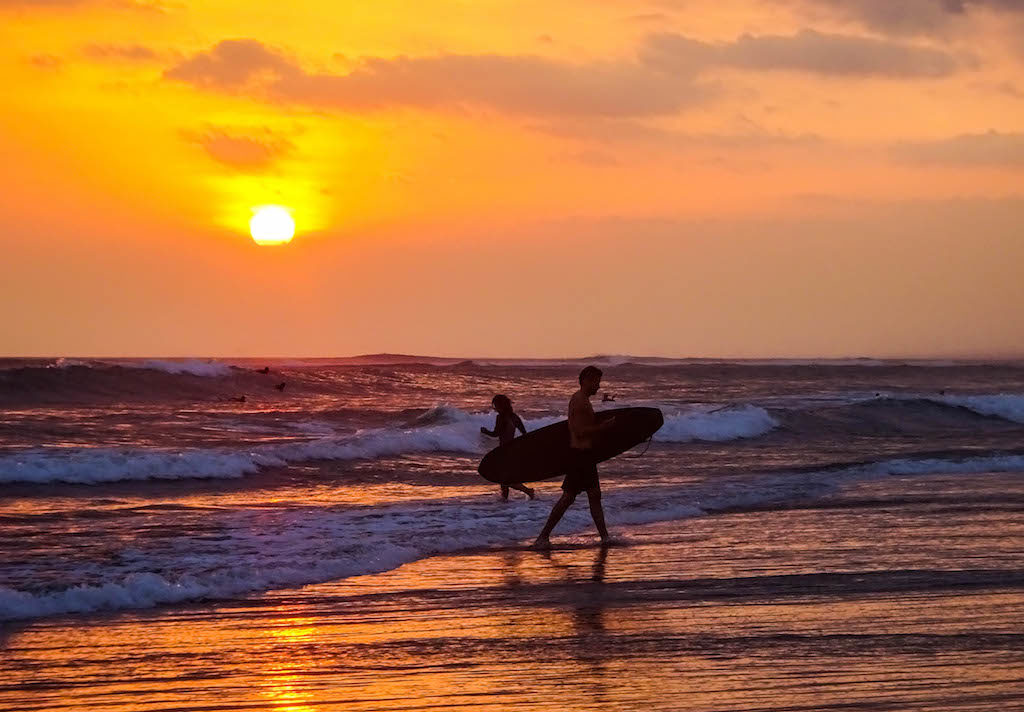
(814, 538)
(861, 601)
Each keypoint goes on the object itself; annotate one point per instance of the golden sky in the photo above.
(513, 178)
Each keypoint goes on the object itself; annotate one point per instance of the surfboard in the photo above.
(544, 453)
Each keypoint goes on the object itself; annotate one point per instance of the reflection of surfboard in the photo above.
(544, 453)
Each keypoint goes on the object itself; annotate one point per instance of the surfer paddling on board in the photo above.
(581, 476)
(505, 426)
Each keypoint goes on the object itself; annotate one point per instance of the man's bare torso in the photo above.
(581, 416)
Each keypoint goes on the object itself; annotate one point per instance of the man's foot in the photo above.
(541, 544)
(531, 493)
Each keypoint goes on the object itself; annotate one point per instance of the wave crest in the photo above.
(441, 429)
(720, 425)
(294, 547)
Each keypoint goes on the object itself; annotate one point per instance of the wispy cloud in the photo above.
(911, 16)
(39, 3)
(46, 61)
(250, 151)
(664, 79)
(116, 53)
(154, 6)
(521, 85)
(806, 51)
(233, 64)
(981, 149)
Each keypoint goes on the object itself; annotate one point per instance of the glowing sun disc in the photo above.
(272, 225)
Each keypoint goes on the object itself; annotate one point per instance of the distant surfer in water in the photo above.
(505, 426)
(582, 473)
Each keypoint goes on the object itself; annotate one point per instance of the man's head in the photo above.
(590, 380)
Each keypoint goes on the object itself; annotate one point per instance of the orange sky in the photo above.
(513, 178)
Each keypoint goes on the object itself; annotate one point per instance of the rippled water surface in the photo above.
(797, 536)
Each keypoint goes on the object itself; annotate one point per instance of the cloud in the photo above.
(39, 3)
(157, 6)
(912, 16)
(655, 17)
(232, 64)
(130, 53)
(589, 157)
(46, 61)
(244, 152)
(981, 149)
(664, 80)
(1005, 88)
(807, 51)
(612, 131)
(519, 85)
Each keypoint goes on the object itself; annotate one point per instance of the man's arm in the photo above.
(519, 424)
(584, 423)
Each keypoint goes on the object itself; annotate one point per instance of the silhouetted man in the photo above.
(582, 471)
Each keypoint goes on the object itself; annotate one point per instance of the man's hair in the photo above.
(501, 400)
(589, 372)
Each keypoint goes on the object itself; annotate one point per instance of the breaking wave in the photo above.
(1007, 406)
(441, 429)
(719, 425)
(192, 367)
(294, 547)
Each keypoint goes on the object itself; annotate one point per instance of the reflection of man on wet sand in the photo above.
(582, 471)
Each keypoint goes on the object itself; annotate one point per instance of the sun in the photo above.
(272, 225)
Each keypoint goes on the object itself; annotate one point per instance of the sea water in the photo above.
(128, 484)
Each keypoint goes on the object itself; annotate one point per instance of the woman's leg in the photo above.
(520, 487)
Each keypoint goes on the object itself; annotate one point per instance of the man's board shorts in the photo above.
(581, 474)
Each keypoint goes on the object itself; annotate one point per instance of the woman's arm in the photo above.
(492, 433)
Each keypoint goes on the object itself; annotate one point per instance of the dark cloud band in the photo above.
(663, 80)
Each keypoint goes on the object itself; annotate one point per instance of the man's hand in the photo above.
(608, 423)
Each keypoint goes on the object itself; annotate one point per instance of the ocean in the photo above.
(190, 502)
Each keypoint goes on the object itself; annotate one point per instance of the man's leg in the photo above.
(556, 514)
(597, 511)
(504, 491)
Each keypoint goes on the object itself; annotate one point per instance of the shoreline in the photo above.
(802, 607)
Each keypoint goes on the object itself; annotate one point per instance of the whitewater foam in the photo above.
(441, 429)
(191, 367)
(1008, 406)
(97, 465)
(717, 425)
(285, 548)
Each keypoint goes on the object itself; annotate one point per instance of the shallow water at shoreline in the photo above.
(898, 593)
(128, 485)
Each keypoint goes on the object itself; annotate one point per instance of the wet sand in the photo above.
(894, 595)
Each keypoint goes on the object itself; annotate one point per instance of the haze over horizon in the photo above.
(389, 357)
(776, 179)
